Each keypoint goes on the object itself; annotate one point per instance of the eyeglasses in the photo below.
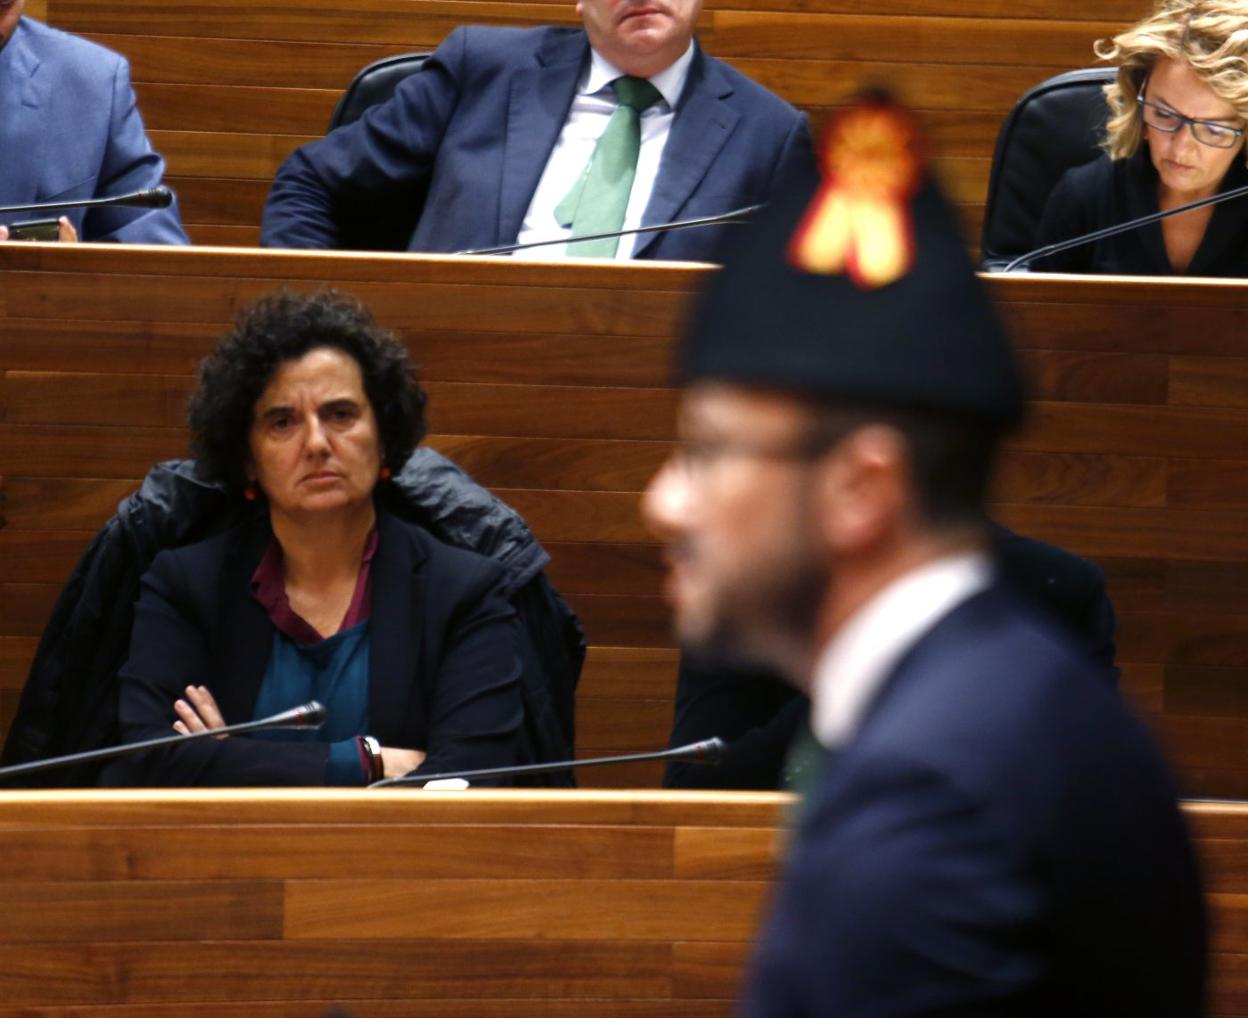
(1207, 132)
(697, 456)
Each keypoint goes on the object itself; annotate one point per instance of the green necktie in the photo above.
(803, 763)
(599, 198)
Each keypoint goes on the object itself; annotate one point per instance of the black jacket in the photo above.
(1105, 193)
(69, 702)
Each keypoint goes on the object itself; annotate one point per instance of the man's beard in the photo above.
(771, 620)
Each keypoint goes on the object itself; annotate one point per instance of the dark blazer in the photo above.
(476, 125)
(757, 713)
(70, 130)
(999, 838)
(1105, 193)
(443, 666)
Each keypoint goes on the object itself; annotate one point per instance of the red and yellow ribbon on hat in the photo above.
(859, 221)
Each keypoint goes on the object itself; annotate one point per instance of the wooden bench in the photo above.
(229, 89)
(550, 384)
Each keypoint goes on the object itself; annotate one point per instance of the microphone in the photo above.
(1130, 224)
(150, 198)
(708, 751)
(309, 715)
(735, 216)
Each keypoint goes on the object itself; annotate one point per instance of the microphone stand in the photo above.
(153, 198)
(1113, 231)
(735, 216)
(708, 751)
(309, 715)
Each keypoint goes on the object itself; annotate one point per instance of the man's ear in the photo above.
(860, 489)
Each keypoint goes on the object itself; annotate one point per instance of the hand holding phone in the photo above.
(41, 229)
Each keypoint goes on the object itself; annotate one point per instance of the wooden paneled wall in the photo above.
(549, 383)
(435, 905)
(422, 905)
(229, 89)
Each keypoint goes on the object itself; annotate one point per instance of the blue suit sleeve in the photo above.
(383, 157)
(130, 164)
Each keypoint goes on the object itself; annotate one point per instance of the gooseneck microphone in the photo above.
(1130, 224)
(735, 216)
(708, 751)
(309, 715)
(150, 198)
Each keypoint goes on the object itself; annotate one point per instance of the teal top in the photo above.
(335, 672)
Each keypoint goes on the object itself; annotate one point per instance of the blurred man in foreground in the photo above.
(987, 830)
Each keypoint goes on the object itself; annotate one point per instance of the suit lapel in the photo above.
(538, 106)
(248, 641)
(702, 125)
(20, 122)
(394, 632)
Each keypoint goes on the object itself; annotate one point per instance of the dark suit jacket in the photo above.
(999, 838)
(757, 713)
(476, 125)
(443, 666)
(70, 130)
(1105, 193)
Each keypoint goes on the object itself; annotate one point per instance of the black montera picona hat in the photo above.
(861, 291)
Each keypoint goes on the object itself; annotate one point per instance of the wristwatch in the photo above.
(376, 766)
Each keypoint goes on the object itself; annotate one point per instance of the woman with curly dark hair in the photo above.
(304, 408)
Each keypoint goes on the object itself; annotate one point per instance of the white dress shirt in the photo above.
(592, 107)
(867, 648)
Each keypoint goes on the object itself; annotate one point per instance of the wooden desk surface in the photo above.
(482, 903)
(550, 384)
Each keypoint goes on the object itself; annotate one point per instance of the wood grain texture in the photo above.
(646, 905)
(102, 911)
(570, 910)
(155, 972)
(439, 1007)
(550, 383)
(252, 855)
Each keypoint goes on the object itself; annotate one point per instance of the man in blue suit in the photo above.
(491, 135)
(70, 130)
(987, 829)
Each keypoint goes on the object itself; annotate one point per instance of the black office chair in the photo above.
(1056, 125)
(372, 225)
(374, 84)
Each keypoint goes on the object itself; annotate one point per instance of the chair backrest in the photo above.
(1057, 125)
(372, 225)
(374, 84)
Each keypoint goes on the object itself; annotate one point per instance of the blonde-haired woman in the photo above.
(1178, 112)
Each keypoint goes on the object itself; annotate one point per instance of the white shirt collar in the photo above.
(670, 82)
(864, 652)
